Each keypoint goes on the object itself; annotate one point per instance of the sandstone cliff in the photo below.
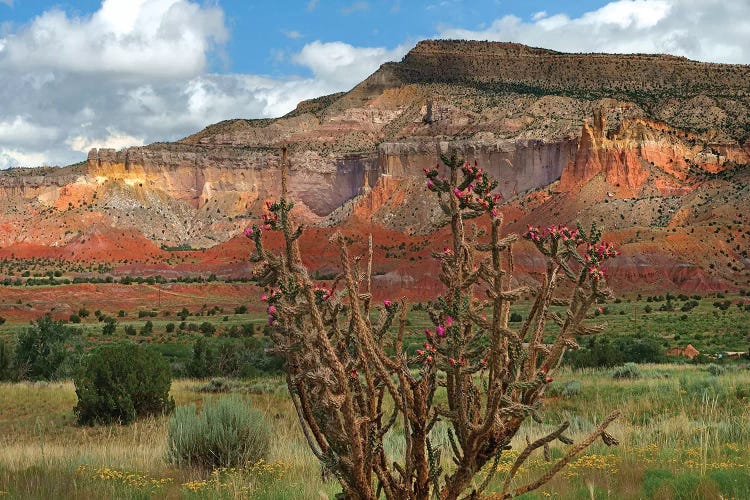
(637, 143)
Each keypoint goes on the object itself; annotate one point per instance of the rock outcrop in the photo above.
(639, 143)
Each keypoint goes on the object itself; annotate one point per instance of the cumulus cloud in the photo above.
(114, 139)
(21, 132)
(704, 30)
(342, 65)
(13, 158)
(159, 38)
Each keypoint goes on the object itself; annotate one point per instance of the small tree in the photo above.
(147, 328)
(203, 362)
(110, 326)
(5, 360)
(207, 329)
(40, 351)
(351, 379)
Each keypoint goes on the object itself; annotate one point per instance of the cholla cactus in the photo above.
(351, 380)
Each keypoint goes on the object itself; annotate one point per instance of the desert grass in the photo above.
(685, 433)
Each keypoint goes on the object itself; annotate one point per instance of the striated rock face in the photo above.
(232, 177)
(521, 164)
(634, 153)
(643, 144)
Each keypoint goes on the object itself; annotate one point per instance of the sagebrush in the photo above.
(226, 433)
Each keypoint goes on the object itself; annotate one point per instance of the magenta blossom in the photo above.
(271, 309)
(387, 303)
(448, 321)
(440, 330)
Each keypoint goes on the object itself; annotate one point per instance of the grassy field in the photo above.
(712, 323)
(685, 429)
(685, 433)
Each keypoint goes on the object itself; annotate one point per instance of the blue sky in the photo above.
(117, 73)
(262, 33)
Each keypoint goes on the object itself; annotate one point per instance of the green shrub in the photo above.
(715, 369)
(148, 328)
(120, 382)
(564, 389)
(110, 326)
(5, 361)
(233, 358)
(41, 351)
(701, 386)
(203, 362)
(515, 317)
(227, 433)
(217, 384)
(628, 370)
(732, 483)
(207, 329)
(613, 350)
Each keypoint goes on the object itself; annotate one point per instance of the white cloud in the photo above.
(114, 140)
(21, 132)
(697, 29)
(156, 38)
(292, 34)
(7, 2)
(342, 65)
(13, 158)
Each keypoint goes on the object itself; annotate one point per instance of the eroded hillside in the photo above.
(655, 148)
